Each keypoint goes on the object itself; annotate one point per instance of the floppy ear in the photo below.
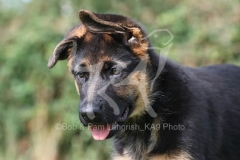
(133, 35)
(95, 24)
(67, 46)
(61, 52)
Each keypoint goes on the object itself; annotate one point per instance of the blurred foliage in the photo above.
(34, 99)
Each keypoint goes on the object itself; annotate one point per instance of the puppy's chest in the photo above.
(177, 156)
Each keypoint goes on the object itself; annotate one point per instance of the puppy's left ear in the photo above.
(67, 46)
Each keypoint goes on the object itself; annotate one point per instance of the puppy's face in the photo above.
(102, 69)
(109, 67)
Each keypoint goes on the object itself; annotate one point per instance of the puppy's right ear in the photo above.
(67, 46)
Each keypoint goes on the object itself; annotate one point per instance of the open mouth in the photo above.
(101, 132)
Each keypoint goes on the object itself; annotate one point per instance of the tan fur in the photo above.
(79, 31)
(70, 61)
(140, 46)
(76, 85)
(88, 37)
(104, 58)
(71, 52)
(140, 50)
(107, 38)
(178, 156)
(84, 61)
(140, 107)
(119, 157)
(140, 80)
(172, 156)
(154, 134)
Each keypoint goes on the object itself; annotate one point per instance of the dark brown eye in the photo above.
(82, 74)
(115, 71)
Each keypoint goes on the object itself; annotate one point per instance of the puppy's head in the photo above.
(107, 55)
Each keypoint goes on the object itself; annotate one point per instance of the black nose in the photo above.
(91, 113)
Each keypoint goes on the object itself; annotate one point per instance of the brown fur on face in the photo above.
(70, 61)
(140, 45)
(78, 31)
(142, 88)
(77, 87)
(140, 84)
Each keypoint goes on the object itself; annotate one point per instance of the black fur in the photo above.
(204, 101)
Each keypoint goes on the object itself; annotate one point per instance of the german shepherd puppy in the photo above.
(181, 114)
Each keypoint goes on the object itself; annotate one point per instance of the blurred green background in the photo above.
(33, 99)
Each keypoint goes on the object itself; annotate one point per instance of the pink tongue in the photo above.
(100, 132)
